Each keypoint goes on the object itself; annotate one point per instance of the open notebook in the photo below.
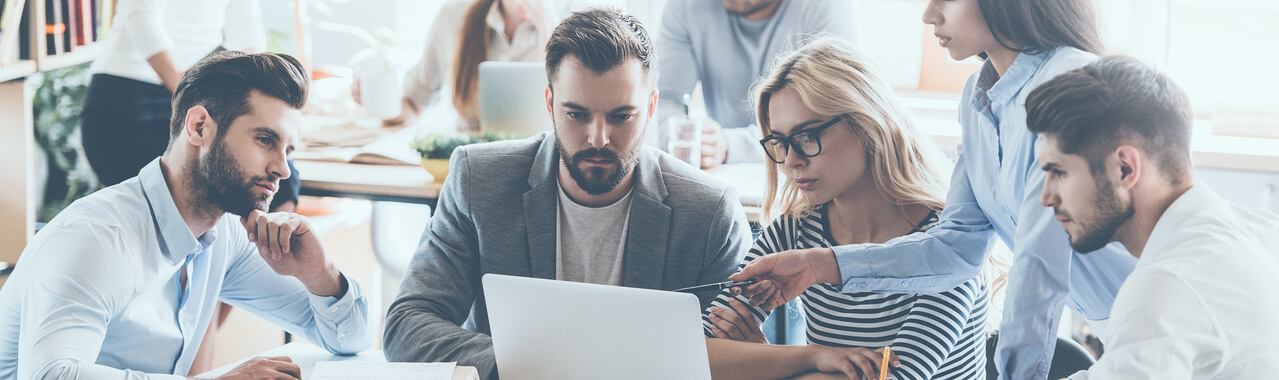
(356, 144)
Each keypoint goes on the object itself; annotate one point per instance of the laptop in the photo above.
(513, 98)
(544, 329)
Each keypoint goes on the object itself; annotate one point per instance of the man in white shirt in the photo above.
(1200, 303)
(123, 283)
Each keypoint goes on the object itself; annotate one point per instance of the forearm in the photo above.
(417, 335)
(162, 63)
(71, 369)
(732, 359)
(325, 282)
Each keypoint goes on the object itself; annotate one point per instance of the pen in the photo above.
(883, 366)
(715, 286)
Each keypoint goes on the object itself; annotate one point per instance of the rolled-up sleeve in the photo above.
(340, 325)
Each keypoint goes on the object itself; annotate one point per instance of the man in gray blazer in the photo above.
(588, 203)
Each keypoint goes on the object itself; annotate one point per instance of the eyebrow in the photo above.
(797, 128)
(579, 107)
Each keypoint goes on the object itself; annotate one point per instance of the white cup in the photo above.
(380, 93)
(684, 139)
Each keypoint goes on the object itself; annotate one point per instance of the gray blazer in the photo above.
(497, 214)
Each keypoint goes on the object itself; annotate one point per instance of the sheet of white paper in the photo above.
(343, 370)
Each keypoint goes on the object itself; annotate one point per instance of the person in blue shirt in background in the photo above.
(995, 189)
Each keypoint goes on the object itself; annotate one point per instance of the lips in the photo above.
(806, 183)
(269, 188)
(942, 39)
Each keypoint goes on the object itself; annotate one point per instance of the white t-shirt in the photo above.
(591, 241)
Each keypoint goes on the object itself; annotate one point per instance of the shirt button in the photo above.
(341, 335)
(905, 283)
(333, 309)
(861, 284)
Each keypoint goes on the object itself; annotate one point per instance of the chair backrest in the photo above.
(1068, 358)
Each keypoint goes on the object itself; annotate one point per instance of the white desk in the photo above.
(305, 355)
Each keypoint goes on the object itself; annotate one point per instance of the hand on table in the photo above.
(279, 368)
(854, 362)
(737, 323)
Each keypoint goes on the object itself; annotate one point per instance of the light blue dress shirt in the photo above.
(995, 189)
(95, 294)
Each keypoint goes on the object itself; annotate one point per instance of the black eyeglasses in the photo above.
(807, 143)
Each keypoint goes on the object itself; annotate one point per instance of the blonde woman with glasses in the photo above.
(846, 165)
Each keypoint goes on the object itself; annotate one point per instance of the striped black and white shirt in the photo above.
(935, 335)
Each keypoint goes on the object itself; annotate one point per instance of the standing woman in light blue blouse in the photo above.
(995, 189)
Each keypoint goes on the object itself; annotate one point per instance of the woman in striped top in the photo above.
(855, 170)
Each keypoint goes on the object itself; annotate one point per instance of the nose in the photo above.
(1048, 197)
(931, 15)
(793, 159)
(279, 167)
(597, 133)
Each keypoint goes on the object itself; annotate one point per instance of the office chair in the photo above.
(1069, 357)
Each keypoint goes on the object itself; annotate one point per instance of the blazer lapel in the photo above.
(648, 227)
(540, 210)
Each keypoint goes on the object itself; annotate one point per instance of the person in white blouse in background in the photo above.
(1200, 303)
(467, 32)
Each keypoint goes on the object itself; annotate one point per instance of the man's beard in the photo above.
(220, 182)
(597, 180)
(750, 8)
(1111, 213)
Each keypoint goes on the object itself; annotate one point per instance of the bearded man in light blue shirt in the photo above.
(123, 283)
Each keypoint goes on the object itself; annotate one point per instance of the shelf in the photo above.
(17, 69)
(79, 54)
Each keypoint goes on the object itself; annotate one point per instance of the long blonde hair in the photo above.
(834, 79)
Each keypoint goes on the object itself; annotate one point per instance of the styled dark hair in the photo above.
(600, 38)
(222, 82)
(1035, 26)
(1092, 110)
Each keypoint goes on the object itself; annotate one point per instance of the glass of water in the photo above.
(684, 139)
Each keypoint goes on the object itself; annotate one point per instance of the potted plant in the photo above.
(436, 150)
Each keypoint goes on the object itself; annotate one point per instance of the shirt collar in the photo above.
(995, 89)
(1193, 201)
(176, 240)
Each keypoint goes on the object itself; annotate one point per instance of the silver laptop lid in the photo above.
(544, 329)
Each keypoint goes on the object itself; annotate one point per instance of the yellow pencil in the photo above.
(883, 366)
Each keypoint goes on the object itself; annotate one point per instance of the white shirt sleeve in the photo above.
(84, 278)
(243, 29)
(143, 25)
(340, 325)
(1161, 328)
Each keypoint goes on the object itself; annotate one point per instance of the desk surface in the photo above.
(412, 184)
(305, 355)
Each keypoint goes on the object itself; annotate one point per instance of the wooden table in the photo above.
(412, 184)
(305, 355)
